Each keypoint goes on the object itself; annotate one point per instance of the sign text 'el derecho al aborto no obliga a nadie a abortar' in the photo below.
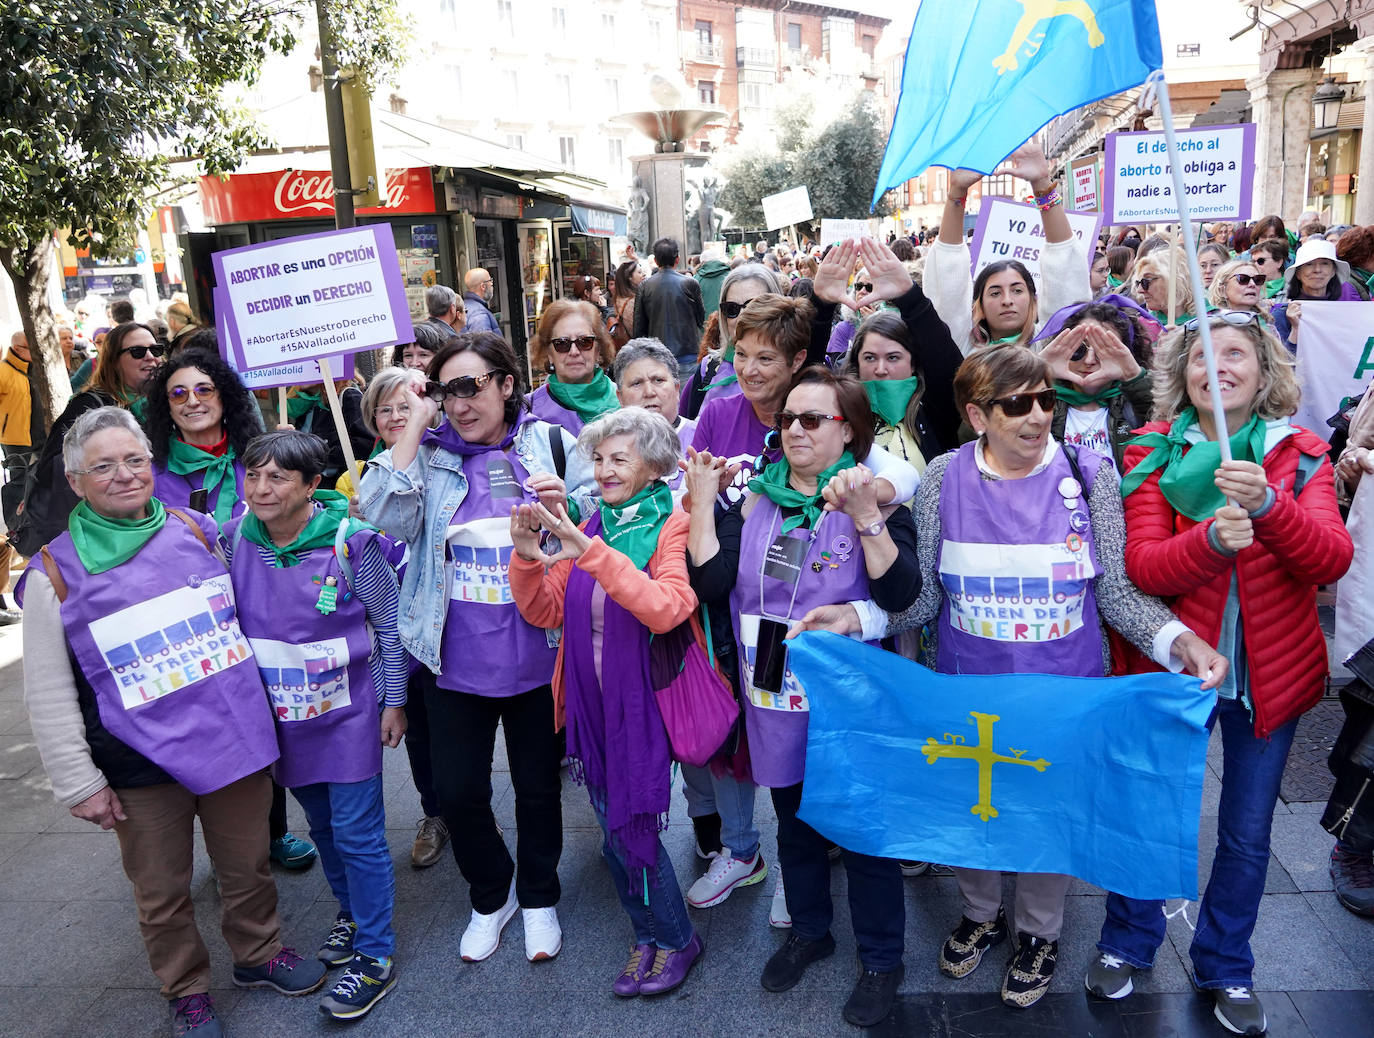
(316, 295)
(1218, 174)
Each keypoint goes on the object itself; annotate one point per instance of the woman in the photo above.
(1119, 262)
(417, 355)
(623, 290)
(447, 493)
(1098, 274)
(646, 376)
(1150, 285)
(1269, 228)
(773, 556)
(1210, 259)
(715, 376)
(1316, 273)
(98, 603)
(1239, 547)
(1000, 304)
(307, 409)
(181, 322)
(1238, 285)
(1013, 488)
(318, 600)
(1356, 249)
(573, 347)
(1271, 259)
(616, 586)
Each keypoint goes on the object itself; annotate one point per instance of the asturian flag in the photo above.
(1099, 778)
(981, 76)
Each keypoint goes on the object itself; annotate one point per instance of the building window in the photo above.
(454, 75)
(505, 16)
(562, 86)
(867, 44)
(567, 151)
(706, 92)
(751, 95)
(398, 104)
(608, 27)
(560, 19)
(794, 35)
(613, 94)
(516, 141)
(703, 32)
(1002, 186)
(656, 32)
(511, 83)
(615, 152)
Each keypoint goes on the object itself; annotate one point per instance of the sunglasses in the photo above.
(584, 344)
(863, 286)
(1143, 284)
(1019, 404)
(1248, 279)
(183, 394)
(464, 387)
(810, 420)
(732, 310)
(1079, 353)
(1235, 318)
(139, 352)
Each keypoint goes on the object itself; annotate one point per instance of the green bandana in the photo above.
(773, 484)
(1273, 287)
(1005, 339)
(1114, 282)
(319, 532)
(1075, 398)
(377, 448)
(890, 398)
(590, 399)
(632, 528)
(103, 543)
(184, 460)
(1162, 316)
(1187, 479)
(298, 405)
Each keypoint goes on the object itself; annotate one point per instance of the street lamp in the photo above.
(1326, 105)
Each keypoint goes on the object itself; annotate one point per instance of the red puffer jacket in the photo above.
(1299, 543)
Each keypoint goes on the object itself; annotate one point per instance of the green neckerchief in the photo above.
(298, 405)
(185, 459)
(319, 532)
(1113, 281)
(1005, 339)
(589, 399)
(1273, 287)
(773, 484)
(1162, 316)
(377, 448)
(632, 528)
(728, 357)
(1077, 398)
(890, 398)
(1187, 479)
(103, 543)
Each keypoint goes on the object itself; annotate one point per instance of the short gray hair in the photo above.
(383, 384)
(92, 422)
(655, 439)
(643, 348)
(438, 299)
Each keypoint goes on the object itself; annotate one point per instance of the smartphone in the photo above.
(770, 660)
(200, 500)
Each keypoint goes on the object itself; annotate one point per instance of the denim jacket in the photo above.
(415, 504)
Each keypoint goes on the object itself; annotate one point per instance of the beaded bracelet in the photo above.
(958, 201)
(1050, 199)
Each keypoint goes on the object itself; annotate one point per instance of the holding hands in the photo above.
(706, 477)
(854, 492)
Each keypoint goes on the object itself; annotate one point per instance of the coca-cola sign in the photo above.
(249, 197)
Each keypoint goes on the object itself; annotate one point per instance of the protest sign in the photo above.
(315, 295)
(290, 373)
(1335, 359)
(786, 207)
(1218, 174)
(833, 231)
(1009, 230)
(1083, 177)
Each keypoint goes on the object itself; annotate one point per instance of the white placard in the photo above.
(840, 230)
(1008, 230)
(1083, 176)
(1218, 174)
(1335, 359)
(786, 207)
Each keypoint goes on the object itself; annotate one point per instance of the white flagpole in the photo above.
(1194, 272)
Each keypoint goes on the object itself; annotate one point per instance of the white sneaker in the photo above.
(778, 915)
(543, 935)
(483, 935)
(725, 874)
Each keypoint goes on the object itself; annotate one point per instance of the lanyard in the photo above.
(775, 530)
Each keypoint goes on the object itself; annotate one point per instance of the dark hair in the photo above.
(290, 450)
(1356, 247)
(1119, 260)
(426, 336)
(500, 358)
(803, 288)
(891, 326)
(1331, 292)
(1241, 238)
(783, 322)
(852, 401)
(624, 285)
(121, 311)
(1277, 249)
(666, 251)
(107, 378)
(1124, 321)
(242, 420)
(994, 371)
(981, 333)
(200, 339)
(1271, 225)
(903, 249)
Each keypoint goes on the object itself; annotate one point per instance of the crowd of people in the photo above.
(707, 464)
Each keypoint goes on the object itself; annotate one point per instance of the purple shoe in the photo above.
(670, 968)
(627, 984)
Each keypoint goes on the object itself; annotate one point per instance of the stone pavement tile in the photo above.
(1304, 807)
(55, 1011)
(14, 716)
(1295, 950)
(1338, 1014)
(18, 756)
(1303, 848)
(12, 843)
(28, 806)
(94, 942)
(1354, 934)
(66, 866)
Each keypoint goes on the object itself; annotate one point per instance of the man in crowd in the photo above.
(668, 307)
(481, 287)
(447, 314)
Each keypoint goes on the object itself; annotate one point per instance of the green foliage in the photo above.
(748, 178)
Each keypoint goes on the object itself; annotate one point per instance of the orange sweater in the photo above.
(660, 599)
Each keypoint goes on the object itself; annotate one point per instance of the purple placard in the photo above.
(1085, 226)
(1242, 196)
(278, 296)
(292, 373)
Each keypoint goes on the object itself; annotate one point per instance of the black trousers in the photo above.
(417, 745)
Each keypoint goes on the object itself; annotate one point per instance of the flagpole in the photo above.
(1194, 272)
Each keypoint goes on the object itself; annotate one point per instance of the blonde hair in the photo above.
(1157, 263)
(1216, 292)
(1279, 392)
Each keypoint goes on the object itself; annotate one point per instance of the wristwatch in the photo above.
(872, 529)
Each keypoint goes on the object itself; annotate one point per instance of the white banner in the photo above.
(786, 207)
(1008, 230)
(1335, 359)
(833, 231)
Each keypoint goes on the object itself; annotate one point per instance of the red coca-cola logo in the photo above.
(298, 190)
(306, 193)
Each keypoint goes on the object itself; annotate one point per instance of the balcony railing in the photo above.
(763, 57)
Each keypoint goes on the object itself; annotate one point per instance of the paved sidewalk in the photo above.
(75, 965)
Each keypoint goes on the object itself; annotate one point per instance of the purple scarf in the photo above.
(446, 437)
(629, 783)
(1055, 324)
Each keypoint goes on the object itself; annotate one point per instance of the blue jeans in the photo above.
(348, 825)
(724, 795)
(660, 919)
(1251, 771)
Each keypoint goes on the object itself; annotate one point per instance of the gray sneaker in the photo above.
(1109, 976)
(193, 1016)
(1239, 1010)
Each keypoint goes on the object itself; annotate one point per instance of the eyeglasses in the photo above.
(1019, 404)
(1248, 279)
(183, 394)
(584, 343)
(810, 420)
(139, 352)
(732, 310)
(1143, 284)
(106, 471)
(1235, 318)
(863, 286)
(464, 387)
(387, 411)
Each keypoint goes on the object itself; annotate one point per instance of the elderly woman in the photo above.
(447, 493)
(1238, 285)
(1239, 547)
(1150, 285)
(646, 376)
(617, 584)
(134, 744)
(307, 409)
(715, 377)
(1210, 259)
(573, 347)
(1316, 273)
(318, 603)
(774, 556)
(385, 412)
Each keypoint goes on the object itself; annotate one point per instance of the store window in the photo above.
(706, 92)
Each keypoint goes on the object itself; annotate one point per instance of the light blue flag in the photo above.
(1099, 778)
(982, 76)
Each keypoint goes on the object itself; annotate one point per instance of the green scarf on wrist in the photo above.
(186, 460)
(773, 484)
(589, 399)
(890, 398)
(298, 405)
(1187, 480)
(103, 543)
(1077, 398)
(319, 532)
(632, 528)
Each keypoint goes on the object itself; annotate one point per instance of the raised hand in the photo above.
(885, 270)
(831, 283)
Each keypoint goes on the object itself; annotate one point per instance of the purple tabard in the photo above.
(315, 666)
(175, 490)
(158, 638)
(548, 409)
(777, 721)
(1017, 563)
(729, 428)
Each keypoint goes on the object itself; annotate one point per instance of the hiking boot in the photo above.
(543, 935)
(285, 972)
(627, 984)
(913, 868)
(194, 1016)
(1029, 972)
(291, 852)
(873, 996)
(337, 949)
(483, 935)
(725, 874)
(362, 984)
(778, 915)
(963, 949)
(786, 966)
(670, 968)
(1239, 1010)
(707, 830)
(430, 839)
(1109, 976)
(1352, 875)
